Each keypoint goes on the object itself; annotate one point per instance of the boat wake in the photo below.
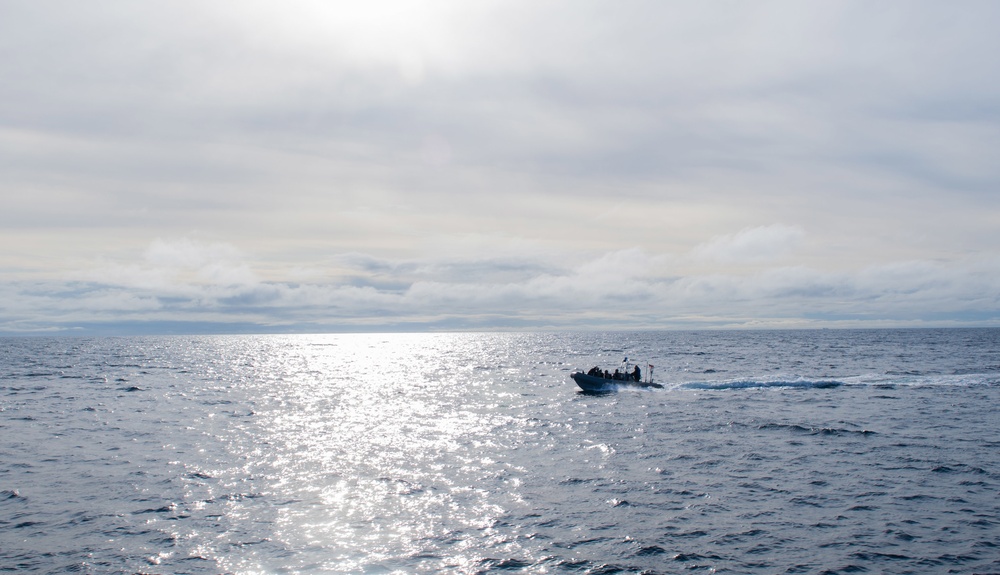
(750, 384)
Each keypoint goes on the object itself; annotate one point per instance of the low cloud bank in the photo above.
(194, 287)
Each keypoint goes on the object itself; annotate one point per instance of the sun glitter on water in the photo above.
(369, 443)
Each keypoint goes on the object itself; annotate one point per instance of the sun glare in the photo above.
(370, 446)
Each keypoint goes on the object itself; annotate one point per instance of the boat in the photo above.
(597, 384)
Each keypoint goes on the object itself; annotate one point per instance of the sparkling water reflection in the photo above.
(374, 449)
(472, 453)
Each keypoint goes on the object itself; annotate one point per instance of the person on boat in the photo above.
(617, 375)
(607, 374)
(636, 374)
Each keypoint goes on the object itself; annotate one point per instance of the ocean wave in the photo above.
(766, 453)
(751, 384)
(891, 380)
(10, 494)
(882, 381)
(810, 430)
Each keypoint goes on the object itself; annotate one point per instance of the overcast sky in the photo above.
(234, 166)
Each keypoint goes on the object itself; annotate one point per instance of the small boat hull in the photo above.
(598, 384)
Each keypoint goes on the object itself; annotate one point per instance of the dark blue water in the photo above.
(766, 452)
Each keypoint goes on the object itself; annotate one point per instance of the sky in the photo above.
(308, 166)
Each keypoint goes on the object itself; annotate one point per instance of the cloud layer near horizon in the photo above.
(412, 165)
(192, 286)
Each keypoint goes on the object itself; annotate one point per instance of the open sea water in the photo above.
(827, 451)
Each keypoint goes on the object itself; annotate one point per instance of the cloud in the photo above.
(186, 253)
(623, 289)
(751, 245)
(451, 163)
(181, 267)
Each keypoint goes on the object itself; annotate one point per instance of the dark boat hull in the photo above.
(591, 383)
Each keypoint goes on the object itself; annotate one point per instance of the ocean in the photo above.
(821, 451)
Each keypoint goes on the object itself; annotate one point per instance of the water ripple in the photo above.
(473, 453)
